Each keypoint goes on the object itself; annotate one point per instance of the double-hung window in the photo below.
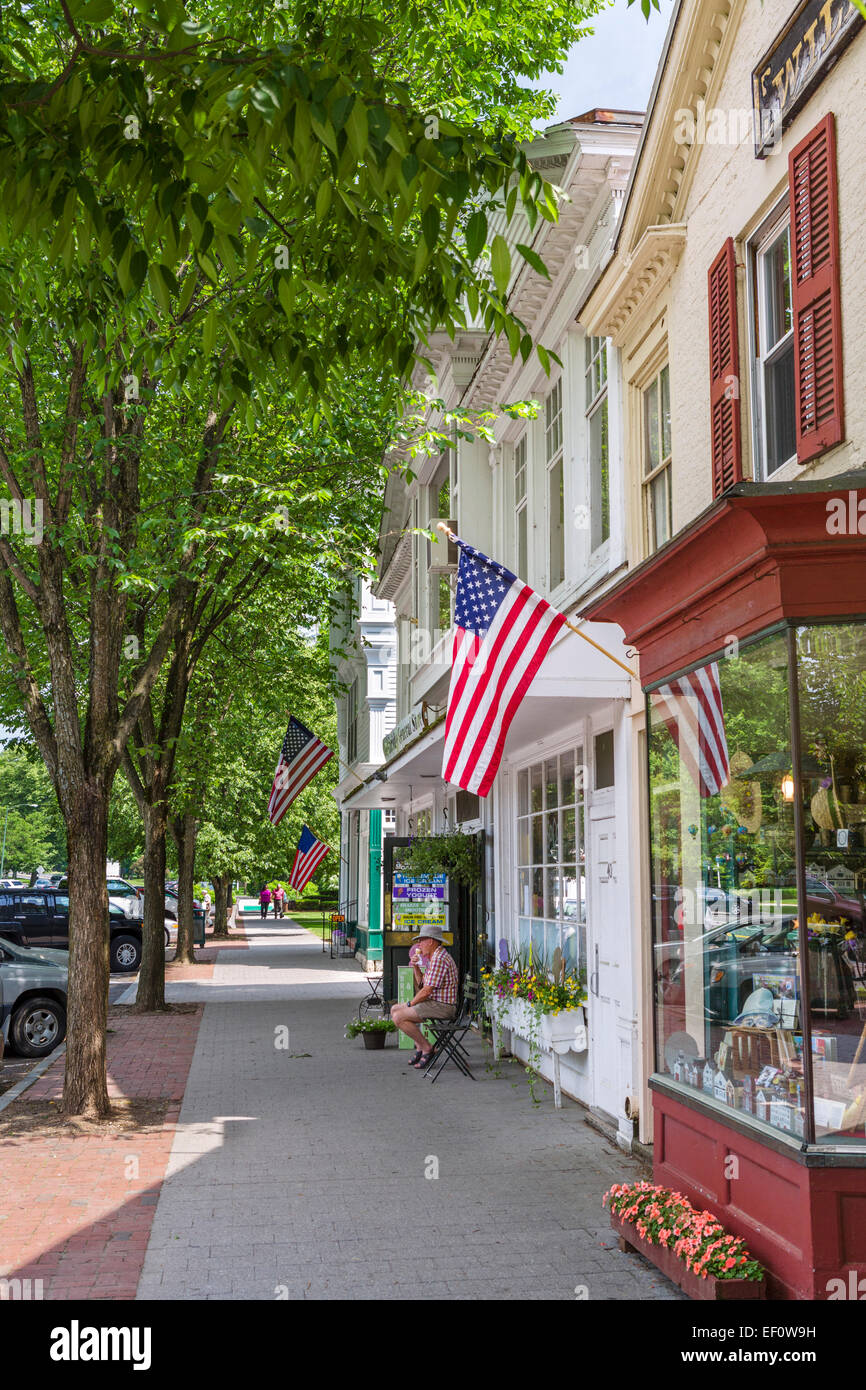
(597, 436)
(657, 461)
(773, 341)
(555, 487)
(521, 512)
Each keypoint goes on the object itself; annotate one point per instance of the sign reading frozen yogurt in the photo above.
(419, 901)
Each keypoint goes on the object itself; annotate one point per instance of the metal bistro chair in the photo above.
(449, 1035)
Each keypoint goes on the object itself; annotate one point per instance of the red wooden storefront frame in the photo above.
(761, 555)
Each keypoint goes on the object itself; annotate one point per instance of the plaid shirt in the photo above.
(441, 976)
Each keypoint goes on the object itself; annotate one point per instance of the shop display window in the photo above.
(551, 886)
(757, 766)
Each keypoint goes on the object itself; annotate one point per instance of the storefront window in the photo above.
(760, 993)
(551, 892)
(831, 665)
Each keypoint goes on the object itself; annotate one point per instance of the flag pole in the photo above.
(610, 656)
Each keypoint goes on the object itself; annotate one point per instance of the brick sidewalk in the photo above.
(84, 1195)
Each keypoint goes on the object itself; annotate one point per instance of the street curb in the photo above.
(20, 1086)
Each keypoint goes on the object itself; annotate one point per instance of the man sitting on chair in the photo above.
(437, 997)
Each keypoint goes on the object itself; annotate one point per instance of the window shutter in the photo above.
(815, 291)
(724, 371)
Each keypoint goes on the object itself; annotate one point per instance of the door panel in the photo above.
(30, 913)
(607, 964)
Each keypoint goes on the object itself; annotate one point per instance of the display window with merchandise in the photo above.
(757, 777)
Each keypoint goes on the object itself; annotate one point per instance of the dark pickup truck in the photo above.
(40, 917)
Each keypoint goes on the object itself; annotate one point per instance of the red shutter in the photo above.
(724, 371)
(815, 291)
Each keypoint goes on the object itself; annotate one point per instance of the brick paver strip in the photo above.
(298, 1165)
(79, 1207)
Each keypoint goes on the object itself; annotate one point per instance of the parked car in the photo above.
(32, 998)
(40, 918)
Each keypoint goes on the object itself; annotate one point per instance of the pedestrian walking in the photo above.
(279, 900)
(264, 901)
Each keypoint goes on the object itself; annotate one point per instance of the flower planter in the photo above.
(672, 1267)
(374, 1041)
(553, 1033)
(556, 1032)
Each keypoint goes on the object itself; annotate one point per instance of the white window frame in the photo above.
(554, 458)
(596, 401)
(758, 246)
(664, 465)
(521, 506)
(576, 744)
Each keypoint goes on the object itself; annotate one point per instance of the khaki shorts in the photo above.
(430, 1008)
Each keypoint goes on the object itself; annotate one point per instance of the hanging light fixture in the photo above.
(788, 786)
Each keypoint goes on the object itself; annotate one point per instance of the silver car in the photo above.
(32, 998)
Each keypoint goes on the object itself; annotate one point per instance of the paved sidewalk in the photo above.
(299, 1165)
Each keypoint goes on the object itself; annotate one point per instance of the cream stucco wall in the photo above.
(730, 194)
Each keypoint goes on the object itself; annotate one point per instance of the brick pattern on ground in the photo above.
(81, 1204)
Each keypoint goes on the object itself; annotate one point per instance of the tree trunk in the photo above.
(221, 885)
(185, 830)
(85, 1091)
(151, 980)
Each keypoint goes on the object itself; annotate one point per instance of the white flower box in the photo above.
(553, 1033)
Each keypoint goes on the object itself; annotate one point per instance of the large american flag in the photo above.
(308, 857)
(692, 710)
(301, 757)
(503, 630)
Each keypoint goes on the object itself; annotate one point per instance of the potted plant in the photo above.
(374, 1031)
(689, 1246)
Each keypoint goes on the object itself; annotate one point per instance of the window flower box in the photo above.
(557, 1033)
(552, 1031)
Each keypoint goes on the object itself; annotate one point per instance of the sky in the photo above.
(615, 67)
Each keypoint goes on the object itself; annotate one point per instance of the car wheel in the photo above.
(167, 938)
(37, 1027)
(125, 954)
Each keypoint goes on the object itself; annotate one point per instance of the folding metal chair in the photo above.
(449, 1035)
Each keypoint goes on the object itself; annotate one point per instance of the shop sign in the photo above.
(800, 58)
(402, 733)
(418, 901)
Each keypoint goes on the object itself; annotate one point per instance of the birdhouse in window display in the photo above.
(679, 1067)
(733, 1093)
(709, 1076)
(781, 1114)
(695, 1071)
(748, 1095)
(763, 1101)
(720, 1086)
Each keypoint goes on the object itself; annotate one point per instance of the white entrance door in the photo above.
(607, 967)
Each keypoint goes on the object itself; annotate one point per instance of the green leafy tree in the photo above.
(192, 213)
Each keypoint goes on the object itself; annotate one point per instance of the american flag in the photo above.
(503, 630)
(692, 709)
(308, 857)
(301, 757)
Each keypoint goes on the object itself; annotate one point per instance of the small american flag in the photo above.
(308, 857)
(692, 710)
(301, 757)
(503, 631)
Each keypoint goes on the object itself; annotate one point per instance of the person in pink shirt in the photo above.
(264, 901)
(279, 900)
